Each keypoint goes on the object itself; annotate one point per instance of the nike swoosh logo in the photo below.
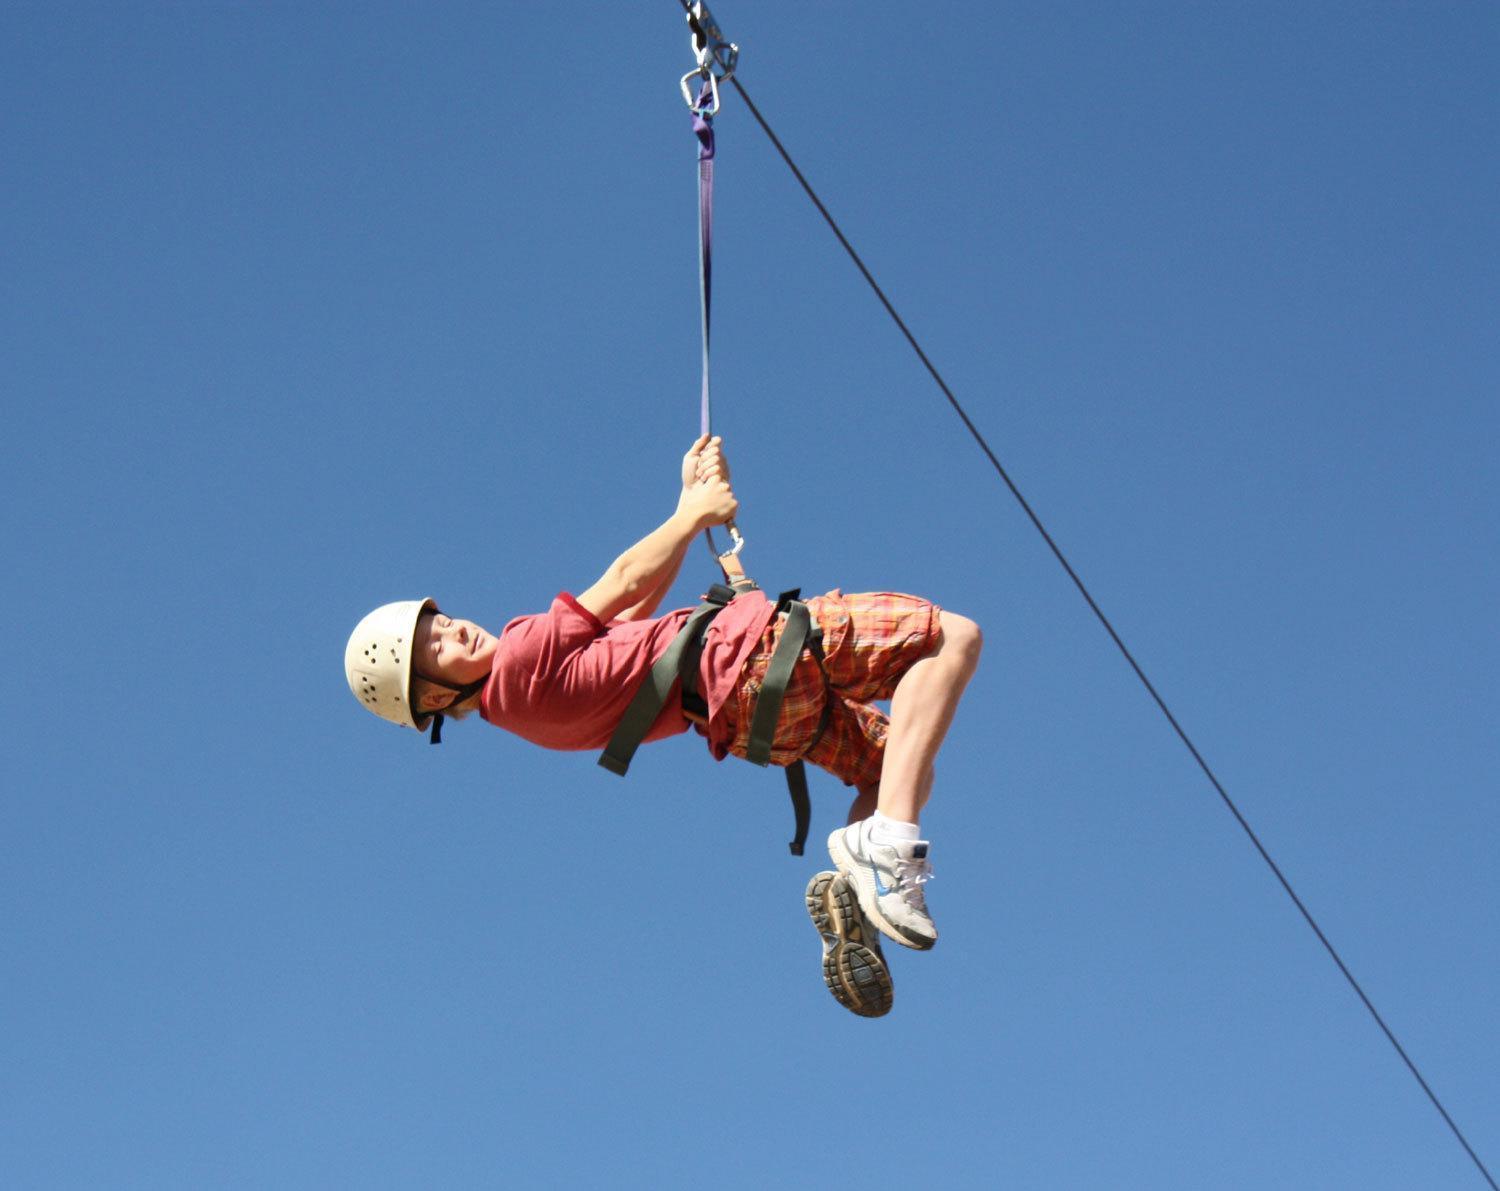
(880, 887)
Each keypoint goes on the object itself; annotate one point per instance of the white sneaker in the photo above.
(888, 879)
(853, 968)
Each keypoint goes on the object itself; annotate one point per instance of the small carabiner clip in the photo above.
(736, 543)
(710, 88)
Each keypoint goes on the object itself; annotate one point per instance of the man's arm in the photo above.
(647, 607)
(638, 580)
(642, 571)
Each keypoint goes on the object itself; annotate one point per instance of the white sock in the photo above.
(884, 830)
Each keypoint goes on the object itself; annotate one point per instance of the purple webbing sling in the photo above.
(703, 129)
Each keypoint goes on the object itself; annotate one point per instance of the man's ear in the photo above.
(430, 698)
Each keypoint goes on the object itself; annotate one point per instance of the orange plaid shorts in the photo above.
(869, 641)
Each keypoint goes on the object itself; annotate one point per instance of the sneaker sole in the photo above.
(863, 880)
(853, 968)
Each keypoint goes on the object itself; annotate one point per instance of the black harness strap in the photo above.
(651, 696)
(797, 634)
(778, 674)
(796, 786)
(680, 663)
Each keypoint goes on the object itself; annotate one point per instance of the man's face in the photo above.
(456, 651)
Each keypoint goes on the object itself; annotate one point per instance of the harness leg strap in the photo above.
(798, 633)
(796, 784)
(773, 690)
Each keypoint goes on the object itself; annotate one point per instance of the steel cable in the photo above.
(1104, 620)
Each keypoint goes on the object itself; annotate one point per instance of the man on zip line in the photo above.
(565, 678)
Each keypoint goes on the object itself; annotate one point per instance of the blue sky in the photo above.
(303, 311)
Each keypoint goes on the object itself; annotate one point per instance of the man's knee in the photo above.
(962, 636)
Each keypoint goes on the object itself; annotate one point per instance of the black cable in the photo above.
(1104, 620)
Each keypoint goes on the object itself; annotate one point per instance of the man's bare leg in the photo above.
(921, 712)
(883, 858)
(864, 802)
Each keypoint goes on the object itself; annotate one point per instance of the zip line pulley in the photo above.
(716, 56)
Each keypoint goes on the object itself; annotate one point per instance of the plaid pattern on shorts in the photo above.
(869, 641)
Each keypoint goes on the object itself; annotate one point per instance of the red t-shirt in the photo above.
(563, 679)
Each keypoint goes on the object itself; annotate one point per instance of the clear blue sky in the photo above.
(303, 311)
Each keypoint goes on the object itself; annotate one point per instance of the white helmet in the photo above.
(377, 660)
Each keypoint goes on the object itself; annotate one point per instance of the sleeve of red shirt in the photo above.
(567, 599)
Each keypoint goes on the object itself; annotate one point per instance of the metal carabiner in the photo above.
(716, 57)
(710, 45)
(736, 542)
(692, 100)
(729, 562)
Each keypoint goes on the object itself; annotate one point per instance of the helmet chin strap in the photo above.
(460, 694)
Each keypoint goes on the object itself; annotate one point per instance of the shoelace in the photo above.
(911, 875)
